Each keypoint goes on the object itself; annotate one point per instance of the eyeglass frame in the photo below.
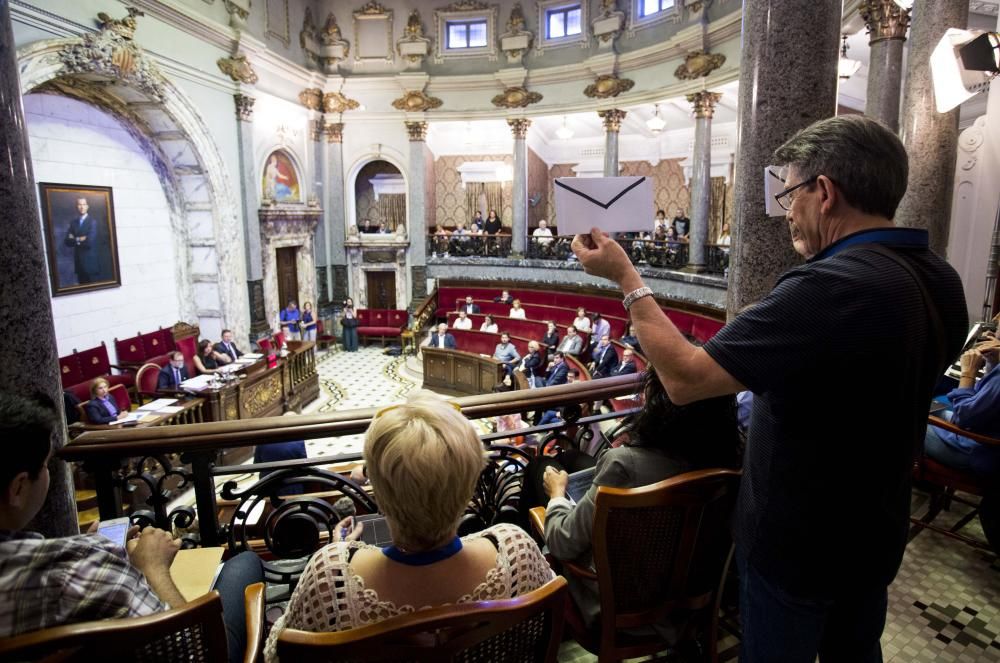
(779, 196)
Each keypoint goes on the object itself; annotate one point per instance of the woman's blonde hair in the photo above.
(97, 383)
(423, 459)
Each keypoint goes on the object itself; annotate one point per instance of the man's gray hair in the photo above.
(866, 161)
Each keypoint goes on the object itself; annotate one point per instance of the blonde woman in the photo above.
(101, 408)
(423, 459)
(516, 311)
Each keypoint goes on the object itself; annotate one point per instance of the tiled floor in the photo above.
(944, 605)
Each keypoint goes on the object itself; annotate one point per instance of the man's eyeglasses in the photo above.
(785, 198)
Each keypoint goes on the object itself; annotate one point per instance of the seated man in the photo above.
(463, 321)
(542, 235)
(627, 365)
(504, 298)
(557, 370)
(600, 328)
(507, 353)
(442, 339)
(227, 347)
(572, 342)
(469, 306)
(605, 359)
(553, 416)
(172, 374)
(86, 577)
(532, 365)
(975, 406)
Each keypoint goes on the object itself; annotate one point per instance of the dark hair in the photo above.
(703, 434)
(866, 161)
(574, 372)
(174, 354)
(27, 425)
(558, 354)
(226, 331)
(202, 344)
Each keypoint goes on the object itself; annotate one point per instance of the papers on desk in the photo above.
(250, 357)
(157, 405)
(170, 409)
(196, 384)
(131, 416)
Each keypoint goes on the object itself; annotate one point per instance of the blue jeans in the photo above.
(778, 628)
(237, 574)
(350, 339)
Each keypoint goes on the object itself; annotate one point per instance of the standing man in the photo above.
(289, 319)
(227, 347)
(681, 224)
(816, 556)
(82, 237)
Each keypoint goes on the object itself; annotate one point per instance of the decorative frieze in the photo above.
(516, 97)
(238, 68)
(608, 86)
(326, 47)
(415, 101)
(517, 40)
(413, 46)
(698, 64)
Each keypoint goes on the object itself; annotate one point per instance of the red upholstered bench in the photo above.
(384, 323)
(79, 369)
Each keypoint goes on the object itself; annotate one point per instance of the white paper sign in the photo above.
(613, 204)
(773, 185)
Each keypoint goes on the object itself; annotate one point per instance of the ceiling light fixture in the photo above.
(656, 123)
(847, 67)
(564, 132)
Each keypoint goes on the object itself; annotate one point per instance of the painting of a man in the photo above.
(80, 235)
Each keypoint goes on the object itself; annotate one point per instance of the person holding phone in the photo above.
(71, 579)
(349, 322)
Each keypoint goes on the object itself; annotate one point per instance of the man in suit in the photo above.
(605, 359)
(227, 347)
(442, 339)
(627, 367)
(557, 370)
(469, 306)
(173, 373)
(82, 238)
(504, 298)
(572, 342)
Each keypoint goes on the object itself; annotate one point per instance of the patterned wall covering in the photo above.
(430, 188)
(670, 188)
(450, 205)
(557, 170)
(364, 194)
(538, 185)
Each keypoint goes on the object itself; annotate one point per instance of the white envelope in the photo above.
(613, 204)
(773, 185)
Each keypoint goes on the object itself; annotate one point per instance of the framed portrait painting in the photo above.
(82, 245)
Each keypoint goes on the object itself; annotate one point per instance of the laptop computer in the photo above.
(375, 531)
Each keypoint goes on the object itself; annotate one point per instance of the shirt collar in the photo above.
(15, 535)
(914, 237)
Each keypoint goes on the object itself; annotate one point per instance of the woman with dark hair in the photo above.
(664, 440)
(207, 360)
(493, 224)
(349, 323)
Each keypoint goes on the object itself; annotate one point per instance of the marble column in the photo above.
(612, 124)
(31, 361)
(701, 177)
(322, 264)
(249, 196)
(783, 41)
(335, 210)
(887, 23)
(416, 204)
(930, 137)
(519, 187)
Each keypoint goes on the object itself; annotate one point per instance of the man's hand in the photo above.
(555, 482)
(971, 362)
(348, 529)
(602, 256)
(152, 551)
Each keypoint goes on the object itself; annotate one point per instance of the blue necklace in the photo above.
(423, 558)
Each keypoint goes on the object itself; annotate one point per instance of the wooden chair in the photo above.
(146, 380)
(194, 631)
(944, 481)
(527, 628)
(661, 552)
(324, 340)
(118, 392)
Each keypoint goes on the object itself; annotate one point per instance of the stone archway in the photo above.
(109, 70)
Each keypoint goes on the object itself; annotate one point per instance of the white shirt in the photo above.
(441, 341)
(582, 324)
(516, 313)
(543, 232)
(489, 328)
(462, 324)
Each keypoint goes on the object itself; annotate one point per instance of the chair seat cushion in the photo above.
(379, 331)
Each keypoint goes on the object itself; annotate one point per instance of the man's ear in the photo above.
(16, 492)
(829, 195)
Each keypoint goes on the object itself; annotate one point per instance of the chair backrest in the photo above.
(279, 339)
(146, 379)
(94, 361)
(521, 630)
(193, 632)
(69, 370)
(154, 343)
(130, 350)
(264, 345)
(661, 548)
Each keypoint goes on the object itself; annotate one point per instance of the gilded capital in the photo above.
(417, 131)
(244, 107)
(334, 132)
(519, 126)
(704, 103)
(612, 118)
(884, 19)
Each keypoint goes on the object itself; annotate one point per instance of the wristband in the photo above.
(636, 295)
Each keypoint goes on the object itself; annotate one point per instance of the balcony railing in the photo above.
(460, 246)
(717, 257)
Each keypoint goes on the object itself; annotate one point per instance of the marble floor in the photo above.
(944, 605)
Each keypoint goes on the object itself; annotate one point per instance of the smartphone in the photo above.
(344, 531)
(115, 529)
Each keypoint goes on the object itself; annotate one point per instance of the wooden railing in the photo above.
(425, 314)
(460, 246)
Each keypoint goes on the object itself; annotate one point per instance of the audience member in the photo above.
(72, 579)
(101, 408)
(582, 321)
(289, 319)
(532, 365)
(492, 225)
(477, 222)
(442, 339)
(503, 298)
(666, 440)
(227, 347)
(440, 241)
(630, 339)
(557, 370)
(516, 311)
(383, 229)
(423, 459)
(470, 306)
(605, 359)
(506, 353)
(551, 338)
(681, 224)
(174, 373)
(207, 360)
(724, 238)
(572, 343)
(627, 365)
(552, 416)
(278, 451)
(542, 235)
(488, 325)
(308, 322)
(366, 226)
(349, 323)
(600, 328)
(659, 220)
(975, 407)
(463, 321)
(866, 284)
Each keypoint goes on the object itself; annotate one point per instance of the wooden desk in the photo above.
(464, 372)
